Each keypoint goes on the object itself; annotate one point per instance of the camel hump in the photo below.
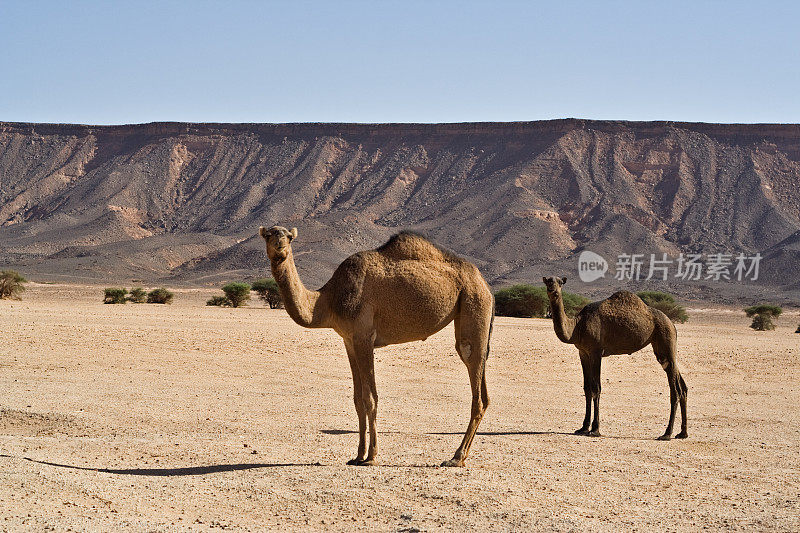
(623, 302)
(624, 296)
(411, 245)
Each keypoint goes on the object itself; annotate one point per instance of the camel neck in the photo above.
(563, 325)
(301, 304)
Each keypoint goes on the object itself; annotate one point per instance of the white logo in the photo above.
(591, 266)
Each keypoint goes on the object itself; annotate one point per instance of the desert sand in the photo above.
(186, 417)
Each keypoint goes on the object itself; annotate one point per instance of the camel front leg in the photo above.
(587, 393)
(364, 350)
(362, 415)
(594, 375)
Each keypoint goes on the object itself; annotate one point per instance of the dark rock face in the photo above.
(184, 201)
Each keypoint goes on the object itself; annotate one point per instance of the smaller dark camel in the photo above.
(620, 324)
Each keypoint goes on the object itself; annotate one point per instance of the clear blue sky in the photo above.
(294, 61)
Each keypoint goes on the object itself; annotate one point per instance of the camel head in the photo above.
(278, 241)
(553, 286)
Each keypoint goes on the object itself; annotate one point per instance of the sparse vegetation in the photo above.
(114, 295)
(797, 330)
(267, 290)
(573, 303)
(531, 301)
(220, 301)
(665, 303)
(522, 301)
(237, 293)
(137, 295)
(11, 285)
(160, 296)
(762, 316)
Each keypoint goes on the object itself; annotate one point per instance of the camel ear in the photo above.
(262, 231)
(562, 281)
(293, 233)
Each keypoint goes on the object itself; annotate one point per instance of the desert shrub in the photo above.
(267, 290)
(573, 303)
(160, 296)
(114, 295)
(531, 301)
(137, 295)
(521, 301)
(797, 330)
(762, 316)
(11, 285)
(237, 292)
(665, 303)
(220, 301)
(762, 323)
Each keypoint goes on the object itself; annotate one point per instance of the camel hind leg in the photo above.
(683, 392)
(666, 354)
(472, 345)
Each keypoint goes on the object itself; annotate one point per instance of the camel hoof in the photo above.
(367, 462)
(681, 435)
(453, 462)
(665, 436)
(354, 462)
(594, 433)
(582, 431)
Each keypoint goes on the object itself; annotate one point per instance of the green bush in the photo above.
(573, 303)
(666, 304)
(237, 292)
(522, 301)
(762, 316)
(113, 295)
(11, 285)
(159, 296)
(267, 290)
(137, 295)
(531, 301)
(221, 301)
(762, 323)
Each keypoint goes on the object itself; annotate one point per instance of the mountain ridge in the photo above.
(178, 201)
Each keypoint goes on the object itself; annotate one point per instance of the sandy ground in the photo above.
(164, 418)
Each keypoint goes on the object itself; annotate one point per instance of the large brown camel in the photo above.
(406, 290)
(620, 324)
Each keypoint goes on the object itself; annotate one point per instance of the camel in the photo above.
(620, 324)
(403, 291)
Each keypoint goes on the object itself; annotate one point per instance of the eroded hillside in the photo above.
(183, 201)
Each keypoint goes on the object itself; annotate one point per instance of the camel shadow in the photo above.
(350, 432)
(501, 433)
(567, 433)
(494, 434)
(484, 433)
(180, 471)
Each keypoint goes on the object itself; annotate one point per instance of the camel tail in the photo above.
(491, 324)
(484, 391)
